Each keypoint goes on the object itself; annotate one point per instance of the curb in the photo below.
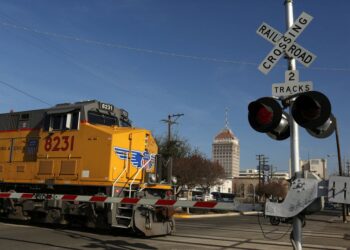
(193, 216)
(251, 213)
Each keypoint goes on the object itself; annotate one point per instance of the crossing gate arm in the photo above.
(229, 206)
(302, 194)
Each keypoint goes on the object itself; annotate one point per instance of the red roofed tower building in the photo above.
(226, 151)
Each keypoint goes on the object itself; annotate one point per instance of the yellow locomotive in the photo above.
(84, 148)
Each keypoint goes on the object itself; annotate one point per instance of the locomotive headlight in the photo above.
(152, 178)
(174, 180)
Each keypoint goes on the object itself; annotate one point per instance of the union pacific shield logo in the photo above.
(138, 158)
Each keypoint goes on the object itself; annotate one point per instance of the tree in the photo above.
(176, 148)
(212, 174)
(190, 166)
(275, 190)
(196, 170)
(171, 152)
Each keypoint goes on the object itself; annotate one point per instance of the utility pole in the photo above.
(260, 159)
(340, 164)
(169, 163)
(271, 172)
(171, 121)
(263, 160)
(264, 165)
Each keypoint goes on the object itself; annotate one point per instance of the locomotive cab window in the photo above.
(103, 119)
(62, 121)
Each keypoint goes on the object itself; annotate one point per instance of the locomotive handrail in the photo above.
(117, 179)
(138, 171)
(120, 175)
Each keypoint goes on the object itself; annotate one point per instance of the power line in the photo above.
(67, 56)
(120, 46)
(150, 51)
(24, 93)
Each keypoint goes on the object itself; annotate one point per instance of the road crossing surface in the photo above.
(228, 232)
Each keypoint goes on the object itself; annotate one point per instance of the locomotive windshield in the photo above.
(108, 120)
(103, 119)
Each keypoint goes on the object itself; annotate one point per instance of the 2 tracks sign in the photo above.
(291, 86)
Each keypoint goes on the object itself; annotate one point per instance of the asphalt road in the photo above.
(228, 232)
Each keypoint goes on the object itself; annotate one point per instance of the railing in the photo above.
(117, 179)
(138, 171)
(120, 175)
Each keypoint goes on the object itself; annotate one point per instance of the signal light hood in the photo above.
(312, 110)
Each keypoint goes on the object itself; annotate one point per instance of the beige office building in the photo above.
(225, 150)
(316, 166)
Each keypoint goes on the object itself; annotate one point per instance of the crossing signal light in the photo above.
(266, 116)
(312, 110)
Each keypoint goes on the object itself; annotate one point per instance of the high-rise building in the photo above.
(317, 166)
(225, 151)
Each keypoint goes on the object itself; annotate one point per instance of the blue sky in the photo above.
(160, 57)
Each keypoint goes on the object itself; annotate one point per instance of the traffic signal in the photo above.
(266, 116)
(312, 110)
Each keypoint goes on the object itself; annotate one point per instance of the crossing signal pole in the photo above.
(294, 142)
(309, 109)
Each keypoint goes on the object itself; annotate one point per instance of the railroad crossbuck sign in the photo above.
(285, 44)
(291, 85)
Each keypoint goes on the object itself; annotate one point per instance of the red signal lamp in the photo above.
(266, 116)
